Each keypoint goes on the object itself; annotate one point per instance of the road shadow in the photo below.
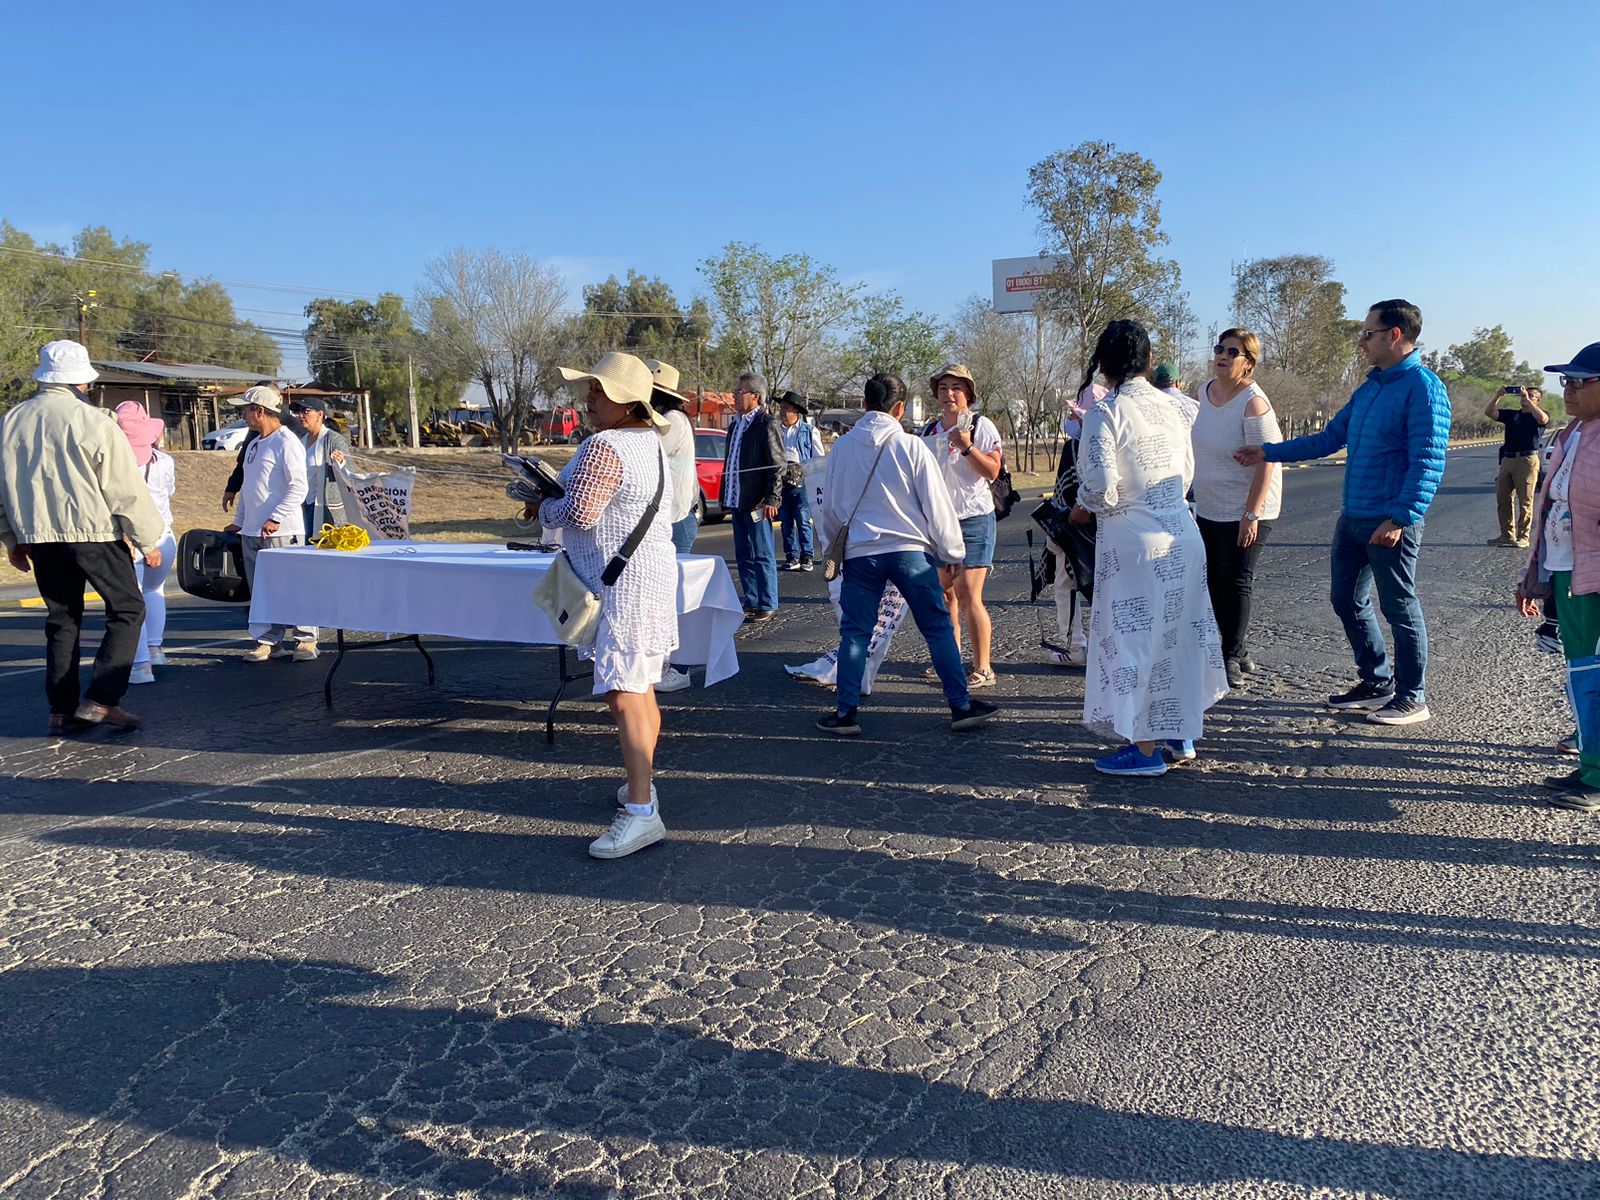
(306, 1062)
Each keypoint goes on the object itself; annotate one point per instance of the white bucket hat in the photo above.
(624, 379)
(65, 361)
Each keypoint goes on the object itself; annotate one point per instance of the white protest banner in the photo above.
(378, 501)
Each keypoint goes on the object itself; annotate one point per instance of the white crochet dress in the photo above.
(609, 484)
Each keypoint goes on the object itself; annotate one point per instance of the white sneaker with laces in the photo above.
(673, 680)
(141, 673)
(629, 833)
(1064, 658)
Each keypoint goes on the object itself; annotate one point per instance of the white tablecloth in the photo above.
(474, 590)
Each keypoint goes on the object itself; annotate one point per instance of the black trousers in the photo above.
(62, 569)
(1230, 574)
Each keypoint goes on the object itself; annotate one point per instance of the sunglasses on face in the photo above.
(1575, 382)
(1230, 351)
(1368, 334)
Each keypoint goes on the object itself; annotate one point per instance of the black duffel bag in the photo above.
(211, 566)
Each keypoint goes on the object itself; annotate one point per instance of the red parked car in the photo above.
(710, 448)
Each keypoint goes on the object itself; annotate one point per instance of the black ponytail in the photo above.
(1122, 352)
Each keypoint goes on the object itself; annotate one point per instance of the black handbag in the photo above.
(1005, 495)
(1074, 541)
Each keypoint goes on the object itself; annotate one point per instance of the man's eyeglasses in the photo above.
(1230, 351)
(297, 410)
(1576, 381)
(1368, 334)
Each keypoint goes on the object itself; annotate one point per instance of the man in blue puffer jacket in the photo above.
(1395, 428)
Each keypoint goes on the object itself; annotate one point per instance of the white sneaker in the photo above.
(260, 652)
(627, 834)
(304, 651)
(1064, 658)
(673, 680)
(141, 673)
(157, 658)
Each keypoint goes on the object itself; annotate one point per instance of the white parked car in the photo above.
(1547, 444)
(229, 437)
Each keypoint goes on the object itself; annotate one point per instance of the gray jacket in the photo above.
(67, 475)
(327, 497)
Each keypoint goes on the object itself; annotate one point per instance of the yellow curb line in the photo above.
(38, 601)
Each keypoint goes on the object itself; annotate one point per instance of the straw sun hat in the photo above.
(955, 371)
(623, 378)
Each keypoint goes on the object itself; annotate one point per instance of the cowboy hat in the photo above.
(665, 378)
(143, 431)
(955, 371)
(64, 361)
(623, 378)
(795, 400)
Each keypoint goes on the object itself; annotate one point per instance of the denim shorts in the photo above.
(978, 533)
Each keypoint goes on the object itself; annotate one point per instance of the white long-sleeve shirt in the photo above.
(274, 484)
(904, 506)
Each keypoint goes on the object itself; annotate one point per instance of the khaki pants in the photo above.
(1517, 477)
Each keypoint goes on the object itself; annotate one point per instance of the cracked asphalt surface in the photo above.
(265, 950)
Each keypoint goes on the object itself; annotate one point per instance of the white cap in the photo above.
(65, 361)
(261, 396)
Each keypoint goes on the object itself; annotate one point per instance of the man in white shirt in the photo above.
(801, 444)
(269, 515)
(884, 490)
(1165, 377)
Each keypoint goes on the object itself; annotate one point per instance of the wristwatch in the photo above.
(1251, 514)
(966, 452)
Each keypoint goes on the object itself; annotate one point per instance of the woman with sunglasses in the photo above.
(1235, 506)
(1564, 561)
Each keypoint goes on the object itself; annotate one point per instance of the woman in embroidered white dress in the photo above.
(1155, 657)
(610, 484)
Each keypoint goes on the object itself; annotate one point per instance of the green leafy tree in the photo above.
(103, 286)
(775, 313)
(1296, 307)
(887, 337)
(1100, 219)
(1487, 355)
(369, 344)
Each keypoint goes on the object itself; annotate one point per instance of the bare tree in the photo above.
(1022, 368)
(500, 315)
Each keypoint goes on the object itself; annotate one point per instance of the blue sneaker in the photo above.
(1128, 761)
(1179, 752)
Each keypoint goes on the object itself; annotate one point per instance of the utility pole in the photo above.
(411, 403)
(85, 303)
(363, 407)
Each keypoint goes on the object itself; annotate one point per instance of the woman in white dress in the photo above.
(1155, 659)
(144, 434)
(610, 484)
(1235, 506)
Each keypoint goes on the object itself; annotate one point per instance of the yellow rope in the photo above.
(342, 537)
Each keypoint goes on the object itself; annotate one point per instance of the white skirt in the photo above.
(620, 669)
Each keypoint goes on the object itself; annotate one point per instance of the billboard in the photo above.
(1018, 282)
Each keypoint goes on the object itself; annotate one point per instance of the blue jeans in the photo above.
(917, 577)
(1358, 565)
(756, 558)
(795, 513)
(684, 532)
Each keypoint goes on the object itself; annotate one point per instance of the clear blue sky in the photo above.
(1444, 152)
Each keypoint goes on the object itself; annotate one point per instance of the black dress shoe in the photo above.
(1563, 783)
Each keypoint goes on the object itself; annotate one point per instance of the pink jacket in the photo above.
(1583, 495)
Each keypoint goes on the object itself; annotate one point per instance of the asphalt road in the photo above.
(261, 949)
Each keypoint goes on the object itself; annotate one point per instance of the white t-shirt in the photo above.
(274, 484)
(1222, 486)
(969, 491)
(1558, 525)
(161, 476)
(678, 440)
